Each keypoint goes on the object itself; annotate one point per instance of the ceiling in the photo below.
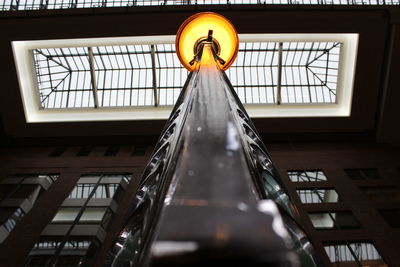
(374, 108)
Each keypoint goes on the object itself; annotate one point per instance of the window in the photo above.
(363, 174)
(307, 176)
(381, 192)
(80, 225)
(334, 220)
(18, 194)
(345, 252)
(100, 186)
(57, 152)
(317, 195)
(391, 216)
(9, 217)
(91, 215)
(84, 151)
(75, 251)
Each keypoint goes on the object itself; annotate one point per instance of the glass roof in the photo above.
(140, 77)
(151, 74)
(68, 4)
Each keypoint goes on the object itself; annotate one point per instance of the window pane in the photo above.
(307, 176)
(93, 215)
(334, 220)
(106, 191)
(317, 195)
(5, 213)
(66, 215)
(81, 191)
(75, 251)
(366, 253)
(14, 218)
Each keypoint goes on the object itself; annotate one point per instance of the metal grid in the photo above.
(69, 4)
(151, 75)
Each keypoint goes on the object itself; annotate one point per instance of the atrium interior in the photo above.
(89, 85)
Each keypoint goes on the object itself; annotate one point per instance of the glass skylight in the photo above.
(140, 78)
(68, 4)
(123, 76)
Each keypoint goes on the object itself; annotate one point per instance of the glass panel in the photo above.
(106, 190)
(81, 191)
(334, 220)
(366, 253)
(124, 74)
(57, 251)
(15, 215)
(317, 195)
(5, 213)
(93, 215)
(307, 176)
(66, 215)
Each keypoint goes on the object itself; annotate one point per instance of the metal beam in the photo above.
(93, 77)
(279, 85)
(153, 68)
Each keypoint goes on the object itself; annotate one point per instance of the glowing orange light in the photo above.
(196, 28)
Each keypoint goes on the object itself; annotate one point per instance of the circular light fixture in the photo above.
(194, 31)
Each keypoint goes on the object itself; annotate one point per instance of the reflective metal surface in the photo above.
(210, 194)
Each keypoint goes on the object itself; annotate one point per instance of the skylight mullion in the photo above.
(244, 73)
(293, 78)
(93, 77)
(153, 67)
(279, 78)
(137, 90)
(258, 76)
(275, 99)
(167, 84)
(251, 76)
(144, 89)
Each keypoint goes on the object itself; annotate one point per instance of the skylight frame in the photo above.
(33, 112)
